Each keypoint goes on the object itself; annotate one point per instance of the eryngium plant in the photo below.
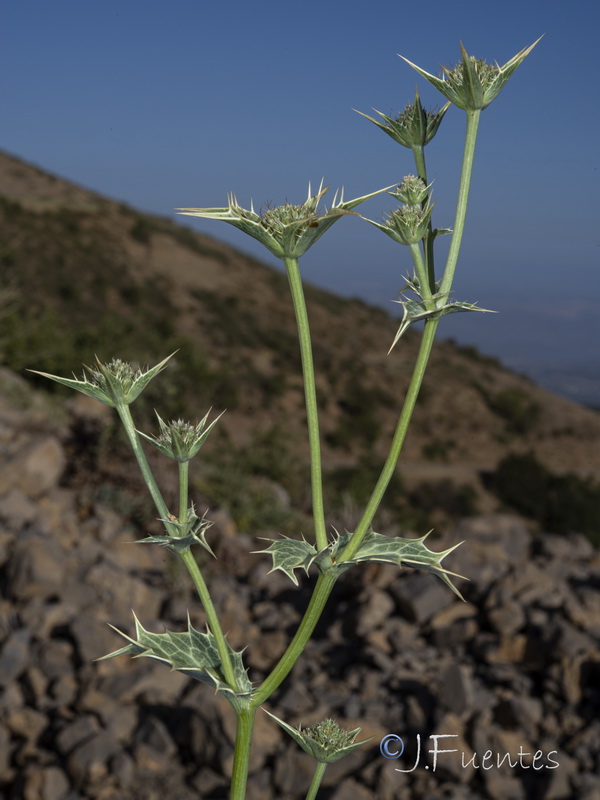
(288, 231)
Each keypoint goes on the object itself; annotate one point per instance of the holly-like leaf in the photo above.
(191, 652)
(403, 553)
(290, 554)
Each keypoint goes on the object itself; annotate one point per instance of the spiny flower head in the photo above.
(287, 230)
(179, 439)
(325, 741)
(407, 224)
(117, 383)
(413, 191)
(472, 84)
(414, 126)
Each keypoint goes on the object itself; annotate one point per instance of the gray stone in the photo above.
(55, 784)
(90, 760)
(76, 733)
(37, 568)
(351, 790)
(375, 610)
(14, 656)
(419, 597)
(456, 692)
(38, 469)
(17, 510)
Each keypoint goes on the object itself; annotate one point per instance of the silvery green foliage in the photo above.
(191, 652)
(291, 554)
(325, 741)
(115, 384)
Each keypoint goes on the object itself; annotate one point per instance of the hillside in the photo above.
(84, 275)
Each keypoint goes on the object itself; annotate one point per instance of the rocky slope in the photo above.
(514, 670)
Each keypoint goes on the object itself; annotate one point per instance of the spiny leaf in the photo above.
(416, 311)
(403, 552)
(290, 554)
(191, 652)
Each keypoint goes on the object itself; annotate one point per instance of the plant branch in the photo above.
(310, 396)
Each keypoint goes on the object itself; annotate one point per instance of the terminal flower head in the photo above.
(287, 230)
(413, 127)
(115, 384)
(472, 84)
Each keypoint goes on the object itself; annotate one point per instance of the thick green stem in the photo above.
(310, 396)
(397, 442)
(243, 742)
(462, 201)
(316, 780)
(322, 590)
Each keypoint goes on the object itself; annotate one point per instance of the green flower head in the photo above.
(326, 741)
(413, 127)
(472, 84)
(115, 384)
(287, 230)
(179, 439)
(407, 224)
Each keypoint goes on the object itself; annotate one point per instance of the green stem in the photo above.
(418, 152)
(211, 617)
(132, 434)
(397, 442)
(310, 396)
(316, 780)
(422, 274)
(187, 558)
(462, 201)
(241, 758)
(184, 470)
(322, 590)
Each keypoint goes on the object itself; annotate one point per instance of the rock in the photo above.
(90, 760)
(375, 609)
(419, 598)
(456, 692)
(38, 468)
(14, 656)
(36, 569)
(351, 790)
(55, 784)
(76, 733)
(17, 510)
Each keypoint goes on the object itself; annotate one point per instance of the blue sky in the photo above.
(163, 105)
